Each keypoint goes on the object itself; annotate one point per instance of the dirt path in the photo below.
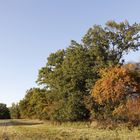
(4, 129)
(8, 129)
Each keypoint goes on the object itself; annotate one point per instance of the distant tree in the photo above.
(4, 111)
(27, 104)
(34, 104)
(14, 111)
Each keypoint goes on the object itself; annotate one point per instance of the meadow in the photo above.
(41, 130)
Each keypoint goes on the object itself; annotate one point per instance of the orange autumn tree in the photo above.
(116, 86)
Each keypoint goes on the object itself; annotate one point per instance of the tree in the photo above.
(36, 104)
(4, 112)
(67, 80)
(114, 40)
(115, 87)
(70, 73)
(14, 111)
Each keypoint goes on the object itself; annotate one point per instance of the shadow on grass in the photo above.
(18, 122)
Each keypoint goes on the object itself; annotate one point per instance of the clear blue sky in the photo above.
(31, 29)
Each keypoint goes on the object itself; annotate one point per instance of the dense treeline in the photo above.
(87, 80)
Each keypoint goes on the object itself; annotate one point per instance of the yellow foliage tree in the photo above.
(116, 86)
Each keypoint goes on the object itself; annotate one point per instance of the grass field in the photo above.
(37, 130)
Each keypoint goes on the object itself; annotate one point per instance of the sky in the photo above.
(32, 29)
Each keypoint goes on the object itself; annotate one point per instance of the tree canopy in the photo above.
(69, 74)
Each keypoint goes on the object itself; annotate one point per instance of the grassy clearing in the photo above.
(36, 130)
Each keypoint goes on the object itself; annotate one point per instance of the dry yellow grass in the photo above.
(36, 130)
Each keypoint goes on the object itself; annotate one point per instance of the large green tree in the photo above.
(69, 74)
(111, 42)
